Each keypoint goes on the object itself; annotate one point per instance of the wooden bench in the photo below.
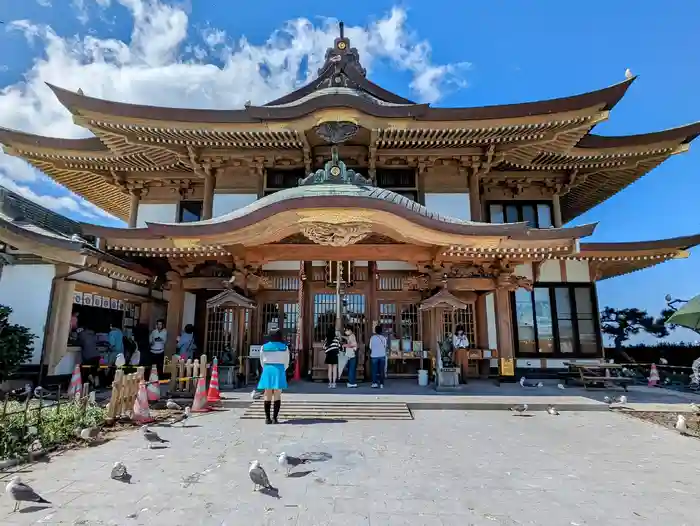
(589, 381)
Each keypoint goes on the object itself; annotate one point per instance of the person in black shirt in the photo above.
(332, 348)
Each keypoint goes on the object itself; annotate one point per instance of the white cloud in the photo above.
(160, 65)
(44, 3)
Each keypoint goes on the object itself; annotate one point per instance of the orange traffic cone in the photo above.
(142, 413)
(153, 389)
(214, 395)
(199, 405)
(653, 376)
(76, 383)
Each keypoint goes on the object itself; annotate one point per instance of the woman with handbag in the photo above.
(185, 343)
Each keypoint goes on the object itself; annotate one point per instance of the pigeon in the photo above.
(561, 386)
(520, 409)
(681, 426)
(90, 433)
(552, 410)
(120, 361)
(172, 405)
(628, 73)
(21, 492)
(254, 394)
(120, 473)
(289, 463)
(152, 437)
(522, 381)
(259, 477)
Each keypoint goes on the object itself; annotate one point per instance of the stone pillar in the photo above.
(504, 323)
(60, 312)
(556, 211)
(173, 322)
(475, 207)
(208, 201)
(134, 207)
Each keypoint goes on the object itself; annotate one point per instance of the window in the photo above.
(190, 211)
(536, 214)
(400, 180)
(276, 180)
(556, 320)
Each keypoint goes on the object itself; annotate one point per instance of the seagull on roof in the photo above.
(628, 73)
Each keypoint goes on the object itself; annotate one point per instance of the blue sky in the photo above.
(448, 53)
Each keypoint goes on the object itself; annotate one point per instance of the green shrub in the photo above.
(16, 344)
(56, 426)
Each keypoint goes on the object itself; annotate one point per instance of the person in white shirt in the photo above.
(377, 349)
(460, 339)
(157, 347)
(351, 354)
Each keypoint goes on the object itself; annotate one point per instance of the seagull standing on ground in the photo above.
(152, 437)
(628, 73)
(522, 381)
(622, 399)
(21, 492)
(681, 426)
(519, 409)
(289, 463)
(90, 433)
(119, 472)
(172, 405)
(552, 410)
(259, 477)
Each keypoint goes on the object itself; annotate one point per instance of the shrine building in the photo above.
(345, 197)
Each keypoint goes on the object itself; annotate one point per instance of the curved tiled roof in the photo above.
(340, 196)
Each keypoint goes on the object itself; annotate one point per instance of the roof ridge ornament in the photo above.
(341, 57)
(335, 171)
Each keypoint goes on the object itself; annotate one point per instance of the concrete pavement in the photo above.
(443, 468)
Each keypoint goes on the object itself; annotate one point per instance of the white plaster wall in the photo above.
(577, 271)
(318, 263)
(190, 302)
(156, 213)
(550, 271)
(528, 363)
(453, 205)
(225, 203)
(395, 265)
(524, 270)
(282, 265)
(27, 290)
(93, 279)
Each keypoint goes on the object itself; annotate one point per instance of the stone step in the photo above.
(333, 411)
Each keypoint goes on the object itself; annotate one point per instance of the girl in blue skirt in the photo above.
(274, 357)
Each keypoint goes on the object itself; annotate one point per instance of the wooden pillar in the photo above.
(174, 317)
(482, 329)
(556, 211)
(134, 207)
(504, 323)
(475, 207)
(208, 201)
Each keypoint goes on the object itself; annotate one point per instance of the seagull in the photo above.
(561, 386)
(552, 410)
(522, 381)
(120, 473)
(628, 73)
(520, 409)
(680, 425)
(607, 400)
(540, 384)
(90, 433)
(259, 477)
(622, 399)
(181, 417)
(289, 463)
(21, 492)
(152, 437)
(172, 405)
